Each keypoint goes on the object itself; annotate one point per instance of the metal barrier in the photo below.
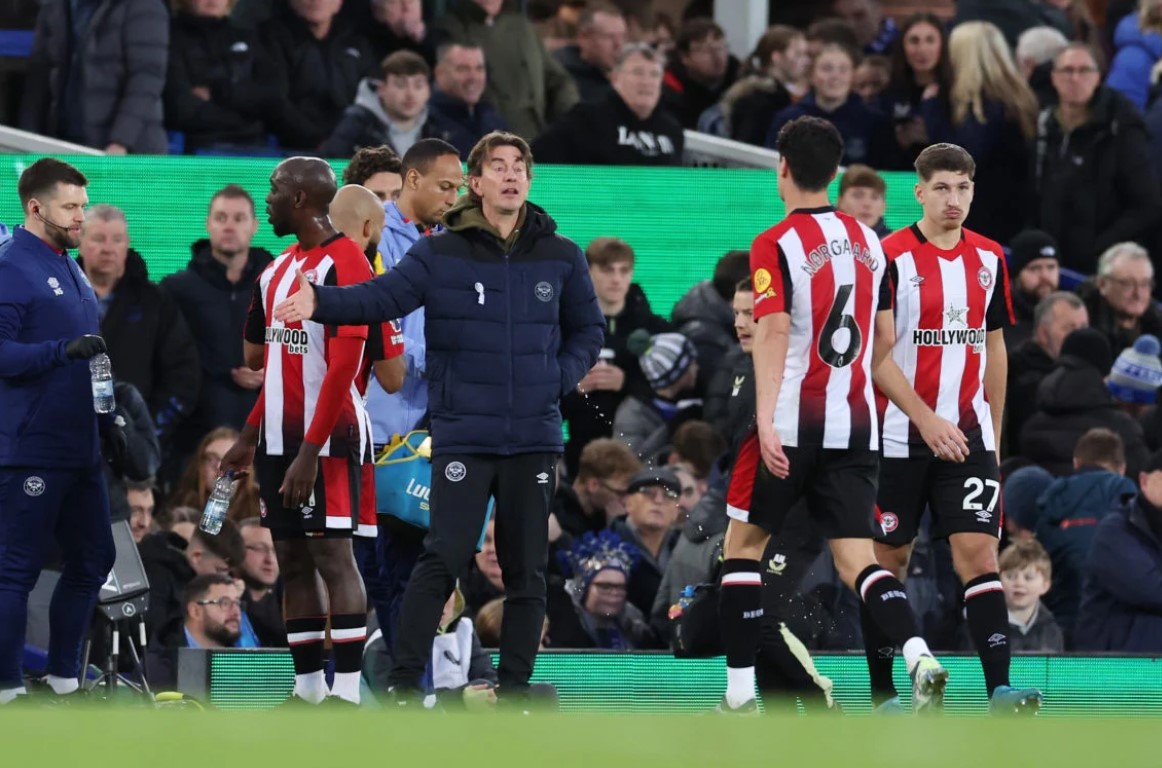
(706, 151)
(14, 140)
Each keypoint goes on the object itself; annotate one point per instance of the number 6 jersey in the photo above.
(826, 270)
(946, 303)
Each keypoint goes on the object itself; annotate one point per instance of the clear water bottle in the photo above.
(218, 504)
(101, 370)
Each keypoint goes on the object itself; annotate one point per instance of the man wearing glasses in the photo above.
(1120, 301)
(651, 505)
(262, 599)
(212, 619)
(1093, 188)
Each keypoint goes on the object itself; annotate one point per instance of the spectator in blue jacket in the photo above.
(1068, 513)
(1121, 599)
(512, 325)
(458, 98)
(867, 134)
(50, 452)
(1138, 42)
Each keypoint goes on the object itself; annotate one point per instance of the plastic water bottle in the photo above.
(218, 504)
(101, 371)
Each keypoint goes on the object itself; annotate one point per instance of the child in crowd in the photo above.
(1026, 575)
(863, 194)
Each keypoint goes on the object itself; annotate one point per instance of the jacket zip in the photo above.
(508, 328)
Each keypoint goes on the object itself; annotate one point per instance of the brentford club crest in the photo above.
(889, 522)
(313, 277)
(985, 278)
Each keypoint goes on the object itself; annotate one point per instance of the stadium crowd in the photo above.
(1054, 99)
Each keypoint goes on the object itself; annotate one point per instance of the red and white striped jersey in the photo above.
(945, 303)
(826, 270)
(297, 354)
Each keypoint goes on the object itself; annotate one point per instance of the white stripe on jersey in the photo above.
(953, 357)
(837, 426)
(979, 404)
(896, 423)
(274, 381)
(315, 365)
(798, 344)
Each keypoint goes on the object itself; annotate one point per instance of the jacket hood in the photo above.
(367, 97)
(570, 58)
(708, 518)
(637, 308)
(747, 86)
(1073, 386)
(1031, 356)
(468, 214)
(395, 221)
(168, 550)
(702, 302)
(1084, 491)
(203, 262)
(1114, 111)
(1129, 34)
(136, 271)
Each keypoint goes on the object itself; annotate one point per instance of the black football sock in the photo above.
(988, 623)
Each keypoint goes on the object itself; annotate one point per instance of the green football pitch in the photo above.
(97, 738)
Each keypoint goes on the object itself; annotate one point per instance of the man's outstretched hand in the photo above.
(300, 306)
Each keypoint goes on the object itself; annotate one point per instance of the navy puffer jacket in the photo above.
(507, 332)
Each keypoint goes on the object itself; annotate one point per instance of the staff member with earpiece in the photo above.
(51, 436)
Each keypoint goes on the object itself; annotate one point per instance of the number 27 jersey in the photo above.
(826, 270)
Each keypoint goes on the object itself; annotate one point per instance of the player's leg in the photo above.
(900, 502)
(337, 490)
(461, 486)
(85, 536)
(842, 495)
(756, 503)
(784, 669)
(966, 506)
(524, 495)
(304, 598)
(305, 607)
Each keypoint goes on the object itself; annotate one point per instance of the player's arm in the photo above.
(385, 349)
(998, 316)
(390, 374)
(996, 378)
(254, 333)
(940, 435)
(240, 457)
(771, 342)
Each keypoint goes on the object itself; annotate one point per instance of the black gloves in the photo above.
(85, 347)
(115, 446)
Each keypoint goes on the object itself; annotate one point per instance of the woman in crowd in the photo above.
(197, 481)
(921, 69)
(991, 112)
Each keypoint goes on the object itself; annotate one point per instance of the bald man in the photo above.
(359, 214)
(313, 432)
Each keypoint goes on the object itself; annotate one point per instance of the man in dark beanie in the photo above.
(1035, 274)
(1072, 400)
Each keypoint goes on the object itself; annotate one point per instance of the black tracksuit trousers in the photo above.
(522, 486)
